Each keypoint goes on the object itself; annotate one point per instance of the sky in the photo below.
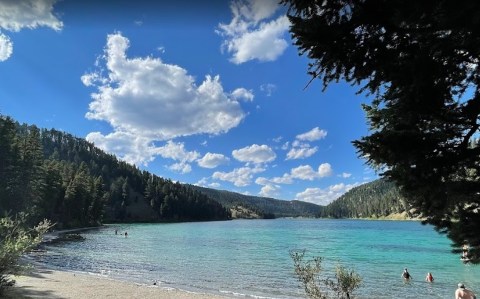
(211, 93)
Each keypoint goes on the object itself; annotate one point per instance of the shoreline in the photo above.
(41, 282)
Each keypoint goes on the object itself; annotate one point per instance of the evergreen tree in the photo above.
(419, 59)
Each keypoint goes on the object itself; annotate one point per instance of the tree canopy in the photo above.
(418, 60)
(54, 175)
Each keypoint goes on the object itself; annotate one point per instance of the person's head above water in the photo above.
(461, 285)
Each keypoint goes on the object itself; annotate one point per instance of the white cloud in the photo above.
(18, 14)
(240, 177)
(300, 149)
(255, 153)
(176, 151)
(324, 170)
(242, 93)
(312, 135)
(303, 172)
(268, 89)
(346, 175)
(277, 139)
(262, 181)
(160, 101)
(211, 160)
(306, 172)
(285, 179)
(181, 167)
(249, 37)
(136, 149)
(324, 196)
(269, 191)
(128, 147)
(301, 153)
(6, 47)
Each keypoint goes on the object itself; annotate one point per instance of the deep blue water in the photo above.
(250, 258)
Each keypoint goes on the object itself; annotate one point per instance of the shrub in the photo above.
(16, 238)
(316, 287)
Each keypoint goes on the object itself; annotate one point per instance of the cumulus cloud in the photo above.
(312, 135)
(18, 14)
(176, 151)
(306, 172)
(243, 94)
(155, 101)
(270, 191)
(6, 47)
(324, 196)
(255, 154)
(346, 175)
(181, 167)
(131, 148)
(250, 36)
(160, 101)
(240, 177)
(324, 170)
(211, 160)
(303, 172)
(285, 179)
(300, 148)
(301, 153)
(136, 149)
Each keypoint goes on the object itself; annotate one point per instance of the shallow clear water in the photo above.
(250, 258)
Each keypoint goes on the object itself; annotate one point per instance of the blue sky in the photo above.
(202, 92)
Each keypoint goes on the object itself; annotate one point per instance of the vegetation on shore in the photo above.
(54, 175)
(346, 281)
(380, 199)
(17, 238)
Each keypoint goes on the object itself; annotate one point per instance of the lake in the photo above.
(250, 258)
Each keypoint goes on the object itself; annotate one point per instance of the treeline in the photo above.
(54, 175)
(375, 199)
(265, 207)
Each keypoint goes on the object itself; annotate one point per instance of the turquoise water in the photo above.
(250, 258)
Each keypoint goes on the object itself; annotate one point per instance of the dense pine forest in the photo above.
(379, 198)
(54, 175)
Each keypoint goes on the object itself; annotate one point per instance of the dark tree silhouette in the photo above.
(419, 60)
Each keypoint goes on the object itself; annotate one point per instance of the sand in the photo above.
(53, 284)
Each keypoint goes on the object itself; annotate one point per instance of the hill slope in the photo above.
(262, 207)
(54, 175)
(376, 199)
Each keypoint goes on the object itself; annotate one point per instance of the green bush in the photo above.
(16, 238)
(316, 287)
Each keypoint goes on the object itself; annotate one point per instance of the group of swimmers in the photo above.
(460, 293)
(116, 233)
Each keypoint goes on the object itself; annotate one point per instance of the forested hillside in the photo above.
(379, 198)
(264, 207)
(54, 175)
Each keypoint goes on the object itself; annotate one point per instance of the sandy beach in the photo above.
(53, 284)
